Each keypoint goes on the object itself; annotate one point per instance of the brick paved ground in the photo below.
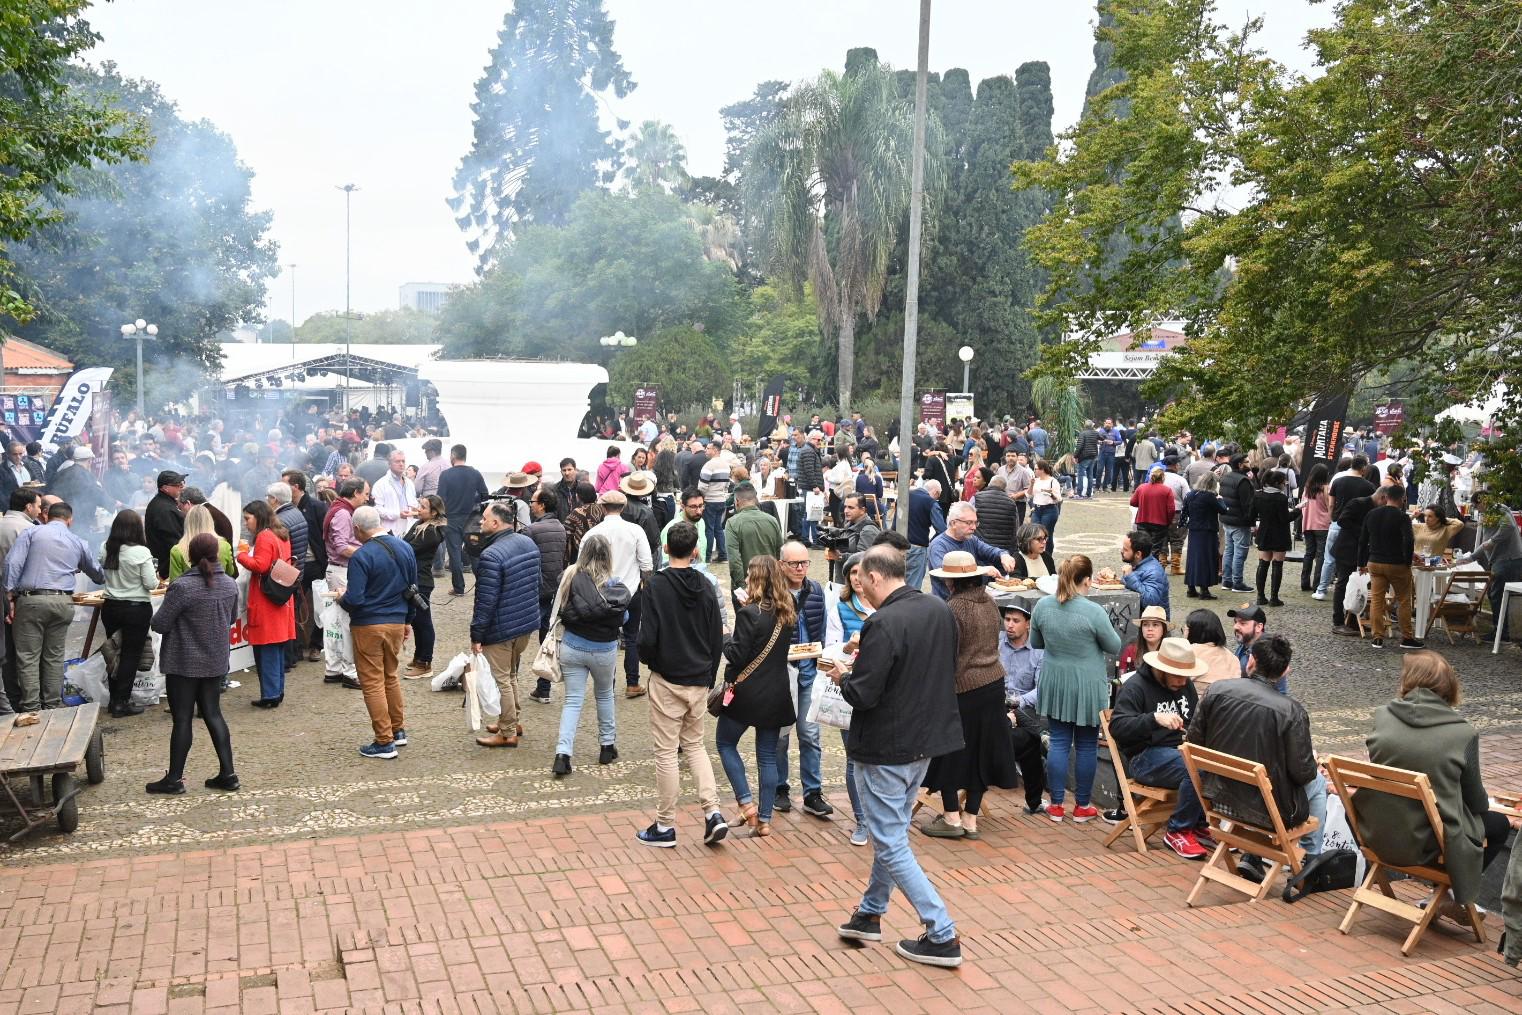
(558, 909)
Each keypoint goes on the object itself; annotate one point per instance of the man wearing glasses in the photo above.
(810, 627)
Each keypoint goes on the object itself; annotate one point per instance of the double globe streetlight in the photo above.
(139, 329)
(618, 338)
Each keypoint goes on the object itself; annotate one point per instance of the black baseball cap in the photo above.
(1247, 611)
(171, 478)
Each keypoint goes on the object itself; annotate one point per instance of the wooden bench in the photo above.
(55, 745)
(1348, 775)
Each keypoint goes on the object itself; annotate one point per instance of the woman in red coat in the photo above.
(1155, 507)
(269, 626)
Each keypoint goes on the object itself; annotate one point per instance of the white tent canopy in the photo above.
(242, 361)
(1478, 412)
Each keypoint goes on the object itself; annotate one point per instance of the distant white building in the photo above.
(429, 297)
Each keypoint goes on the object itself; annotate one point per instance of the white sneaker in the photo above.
(1320, 597)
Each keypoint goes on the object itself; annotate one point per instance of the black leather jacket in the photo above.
(1250, 719)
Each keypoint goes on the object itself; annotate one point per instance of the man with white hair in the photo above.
(960, 534)
(395, 496)
(380, 572)
(925, 522)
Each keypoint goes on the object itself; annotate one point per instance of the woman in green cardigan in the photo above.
(199, 520)
(1422, 731)
(1075, 634)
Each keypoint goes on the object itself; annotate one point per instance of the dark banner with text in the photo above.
(1323, 432)
(933, 409)
(647, 402)
(771, 407)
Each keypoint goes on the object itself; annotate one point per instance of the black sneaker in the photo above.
(783, 802)
(714, 829)
(1114, 815)
(541, 699)
(1251, 869)
(332, 678)
(1377, 643)
(1034, 809)
(947, 954)
(653, 836)
(1412, 643)
(561, 766)
(861, 927)
(814, 803)
(607, 755)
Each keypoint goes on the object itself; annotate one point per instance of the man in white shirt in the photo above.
(1018, 478)
(395, 496)
(632, 565)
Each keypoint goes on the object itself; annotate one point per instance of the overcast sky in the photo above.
(377, 93)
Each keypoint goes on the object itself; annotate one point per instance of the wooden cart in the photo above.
(54, 746)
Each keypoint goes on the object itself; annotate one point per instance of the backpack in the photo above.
(1332, 871)
(475, 539)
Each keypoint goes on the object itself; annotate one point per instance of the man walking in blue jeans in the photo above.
(809, 599)
(1236, 509)
(903, 697)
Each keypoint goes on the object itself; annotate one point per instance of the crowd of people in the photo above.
(947, 692)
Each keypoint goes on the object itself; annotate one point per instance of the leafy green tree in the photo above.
(277, 332)
(1372, 219)
(620, 263)
(404, 326)
(537, 141)
(685, 362)
(828, 183)
(779, 337)
(49, 131)
(173, 240)
(655, 158)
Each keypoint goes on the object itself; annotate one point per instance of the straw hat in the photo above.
(638, 484)
(1176, 655)
(1153, 613)
(958, 564)
(520, 480)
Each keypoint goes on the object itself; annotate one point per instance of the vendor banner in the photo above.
(647, 402)
(771, 406)
(1323, 431)
(959, 405)
(24, 415)
(72, 408)
(933, 409)
(1389, 417)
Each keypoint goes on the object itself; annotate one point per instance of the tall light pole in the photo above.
(139, 329)
(965, 354)
(912, 277)
(292, 269)
(348, 190)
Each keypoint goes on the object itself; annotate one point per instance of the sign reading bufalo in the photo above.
(933, 409)
(647, 402)
(72, 408)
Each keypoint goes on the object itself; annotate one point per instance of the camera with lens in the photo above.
(832, 538)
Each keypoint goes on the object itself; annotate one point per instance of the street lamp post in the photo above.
(965, 354)
(138, 329)
(348, 190)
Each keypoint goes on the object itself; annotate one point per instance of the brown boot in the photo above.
(417, 670)
(636, 691)
(497, 740)
(1176, 564)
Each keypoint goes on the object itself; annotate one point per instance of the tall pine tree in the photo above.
(538, 143)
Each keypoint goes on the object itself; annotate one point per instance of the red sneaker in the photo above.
(1085, 813)
(1184, 844)
(1054, 811)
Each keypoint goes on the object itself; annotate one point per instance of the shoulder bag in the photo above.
(412, 594)
(720, 697)
(546, 664)
(279, 583)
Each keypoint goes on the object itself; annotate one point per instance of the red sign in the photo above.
(1389, 417)
(647, 402)
(933, 409)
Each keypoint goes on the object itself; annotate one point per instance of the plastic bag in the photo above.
(1357, 597)
(337, 641)
(813, 506)
(828, 706)
(486, 685)
(88, 677)
(1338, 834)
(450, 677)
(148, 688)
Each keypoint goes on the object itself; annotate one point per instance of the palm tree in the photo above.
(655, 157)
(828, 184)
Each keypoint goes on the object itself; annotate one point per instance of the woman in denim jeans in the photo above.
(591, 607)
(762, 700)
(1046, 497)
(843, 628)
(1075, 634)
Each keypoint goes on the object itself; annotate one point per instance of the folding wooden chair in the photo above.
(1148, 808)
(1276, 845)
(1457, 605)
(1347, 775)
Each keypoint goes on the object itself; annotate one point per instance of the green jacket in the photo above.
(1423, 733)
(749, 533)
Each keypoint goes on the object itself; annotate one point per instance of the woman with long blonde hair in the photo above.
(199, 521)
(756, 684)
(1076, 634)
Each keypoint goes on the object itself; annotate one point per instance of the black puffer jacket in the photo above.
(1088, 445)
(548, 533)
(996, 517)
(1236, 498)
(763, 699)
(903, 686)
(592, 612)
(1250, 719)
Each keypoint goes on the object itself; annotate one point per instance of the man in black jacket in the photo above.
(1349, 518)
(1151, 713)
(903, 696)
(681, 640)
(1248, 718)
(1384, 550)
(314, 566)
(163, 521)
(1236, 492)
(548, 533)
(461, 487)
